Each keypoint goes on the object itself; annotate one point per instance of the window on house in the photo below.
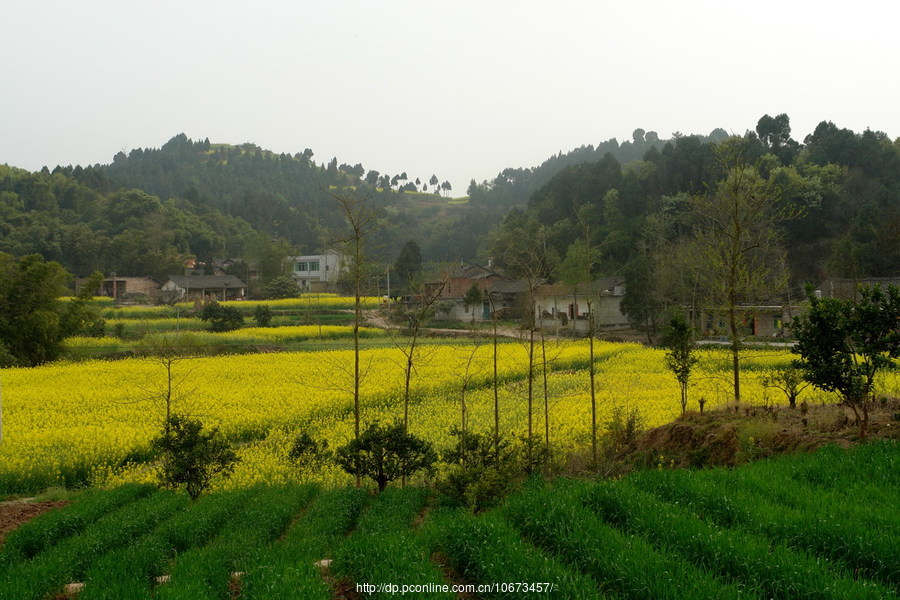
(301, 266)
(314, 265)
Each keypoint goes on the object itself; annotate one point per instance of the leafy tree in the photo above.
(31, 317)
(678, 337)
(408, 267)
(482, 470)
(473, 299)
(263, 315)
(775, 133)
(843, 344)
(385, 453)
(307, 452)
(79, 316)
(222, 318)
(790, 381)
(282, 286)
(193, 457)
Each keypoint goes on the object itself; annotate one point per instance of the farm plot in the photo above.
(563, 539)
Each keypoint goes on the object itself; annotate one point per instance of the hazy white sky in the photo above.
(462, 89)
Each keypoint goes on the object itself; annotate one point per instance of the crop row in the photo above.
(567, 539)
(305, 303)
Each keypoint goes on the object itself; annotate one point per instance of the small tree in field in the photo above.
(843, 344)
(263, 315)
(280, 287)
(790, 381)
(385, 453)
(194, 457)
(222, 318)
(678, 337)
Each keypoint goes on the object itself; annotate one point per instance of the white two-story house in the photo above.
(318, 272)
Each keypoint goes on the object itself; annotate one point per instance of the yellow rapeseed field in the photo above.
(93, 420)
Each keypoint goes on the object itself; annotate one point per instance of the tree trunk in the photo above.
(496, 394)
(593, 374)
(530, 388)
(735, 352)
(546, 392)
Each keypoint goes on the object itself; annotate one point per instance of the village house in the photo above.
(318, 272)
(204, 287)
(769, 320)
(561, 306)
(499, 295)
(123, 288)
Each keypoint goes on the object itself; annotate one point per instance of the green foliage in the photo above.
(481, 471)
(262, 314)
(222, 318)
(37, 535)
(790, 381)
(622, 431)
(843, 344)
(281, 286)
(473, 297)
(385, 453)
(678, 337)
(308, 453)
(33, 322)
(81, 315)
(192, 457)
(408, 269)
(69, 559)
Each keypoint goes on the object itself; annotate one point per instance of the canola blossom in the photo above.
(68, 423)
(304, 303)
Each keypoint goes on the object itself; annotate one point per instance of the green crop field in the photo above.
(821, 525)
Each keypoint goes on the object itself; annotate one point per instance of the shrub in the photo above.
(222, 318)
(385, 453)
(281, 287)
(306, 452)
(481, 472)
(263, 315)
(192, 457)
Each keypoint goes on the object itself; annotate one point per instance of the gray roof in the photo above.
(207, 282)
(469, 271)
(845, 288)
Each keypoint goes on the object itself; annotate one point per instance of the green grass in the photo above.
(68, 561)
(384, 548)
(822, 525)
(557, 521)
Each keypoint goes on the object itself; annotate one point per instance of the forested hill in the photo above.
(515, 186)
(146, 211)
(827, 207)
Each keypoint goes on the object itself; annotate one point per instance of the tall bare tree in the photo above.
(361, 219)
(738, 243)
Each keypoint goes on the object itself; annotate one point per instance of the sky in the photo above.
(461, 89)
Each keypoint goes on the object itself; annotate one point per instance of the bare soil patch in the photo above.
(16, 512)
